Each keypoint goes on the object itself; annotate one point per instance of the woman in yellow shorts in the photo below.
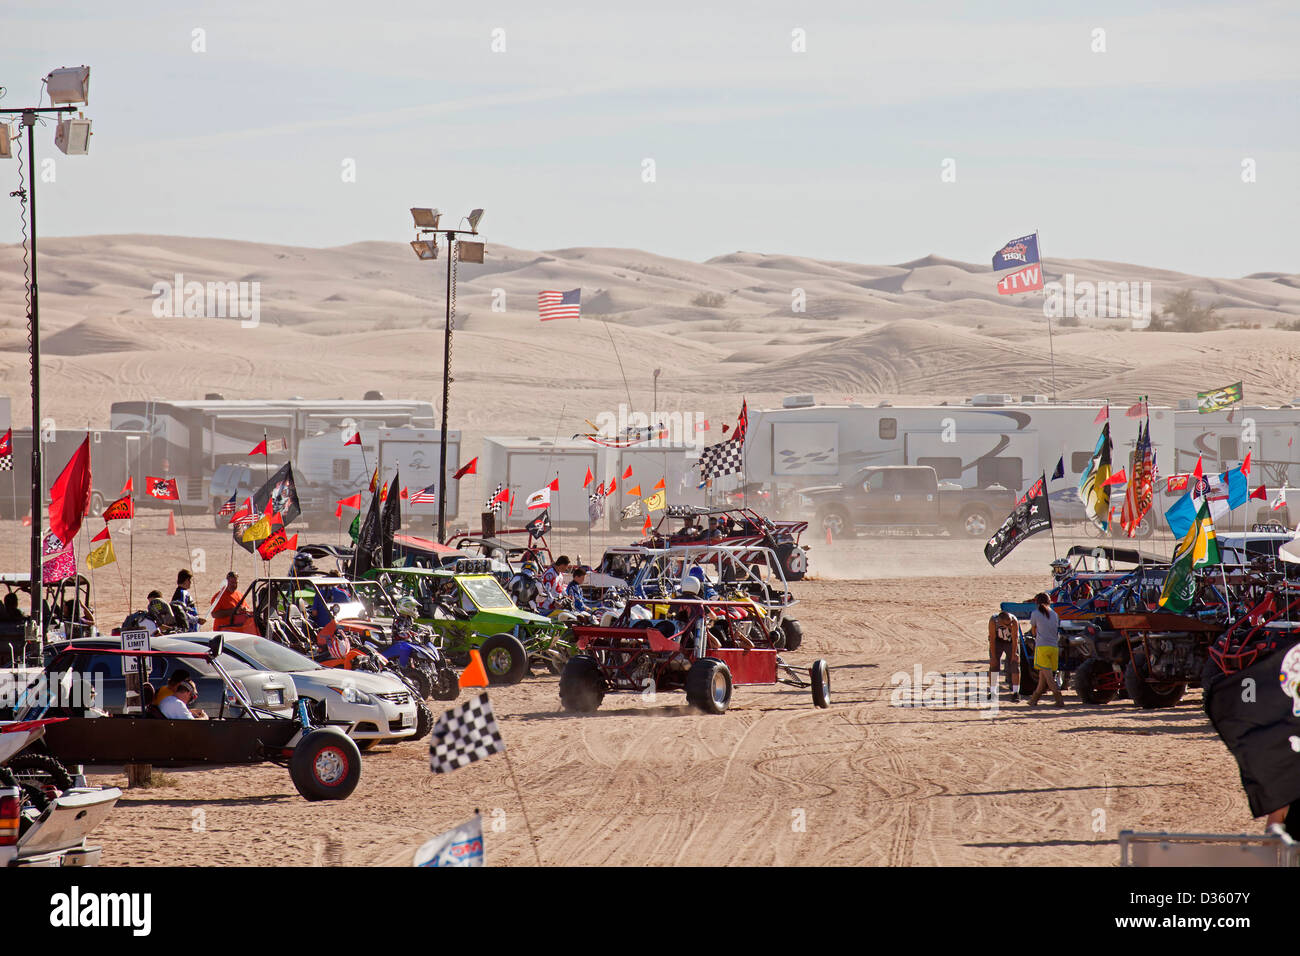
(1046, 628)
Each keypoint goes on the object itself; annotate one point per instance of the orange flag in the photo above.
(634, 490)
(659, 486)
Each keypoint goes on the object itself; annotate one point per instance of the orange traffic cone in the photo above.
(475, 675)
(171, 522)
(829, 538)
(27, 520)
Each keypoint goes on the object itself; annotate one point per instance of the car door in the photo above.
(874, 506)
(913, 502)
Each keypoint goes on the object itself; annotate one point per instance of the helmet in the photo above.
(302, 561)
(691, 586)
(408, 606)
(529, 568)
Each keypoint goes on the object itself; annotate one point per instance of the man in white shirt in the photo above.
(176, 706)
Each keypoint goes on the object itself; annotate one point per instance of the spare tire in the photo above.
(40, 769)
(326, 765)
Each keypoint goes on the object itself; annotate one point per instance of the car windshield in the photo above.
(486, 592)
(270, 655)
(375, 599)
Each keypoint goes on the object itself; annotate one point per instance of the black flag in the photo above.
(392, 520)
(1031, 515)
(369, 541)
(538, 527)
(282, 492)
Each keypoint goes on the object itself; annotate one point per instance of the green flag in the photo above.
(354, 528)
(1218, 398)
(1198, 548)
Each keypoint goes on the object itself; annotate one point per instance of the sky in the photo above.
(837, 150)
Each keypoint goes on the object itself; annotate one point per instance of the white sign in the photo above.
(133, 641)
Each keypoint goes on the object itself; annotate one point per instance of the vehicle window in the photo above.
(1079, 461)
(943, 467)
(485, 592)
(888, 429)
(1229, 450)
(873, 481)
(195, 665)
(1007, 472)
(341, 467)
(272, 656)
(110, 665)
(375, 599)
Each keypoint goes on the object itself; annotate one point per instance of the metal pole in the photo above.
(33, 318)
(446, 393)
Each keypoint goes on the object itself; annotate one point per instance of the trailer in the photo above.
(115, 456)
(525, 465)
(189, 439)
(986, 441)
(651, 461)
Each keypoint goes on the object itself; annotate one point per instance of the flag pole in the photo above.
(1051, 347)
(522, 804)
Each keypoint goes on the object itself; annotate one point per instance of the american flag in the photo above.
(425, 496)
(559, 305)
(228, 508)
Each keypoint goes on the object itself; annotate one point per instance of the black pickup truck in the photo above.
(906, 497)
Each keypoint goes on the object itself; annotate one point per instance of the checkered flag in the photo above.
(7, 463)
(724, 458)
(492, 504)
(464, 734)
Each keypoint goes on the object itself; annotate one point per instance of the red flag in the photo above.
(403, 494)
(1261, 493)
(589, 479)
(270, 504)
(102, 535)
(374, 480)
(512, 506)
(554, 485)
(383, 495)
(1245, 465)
(702, 426)
(1136, 411)
(645, 528)
(338, 510)
(1102, 415)
(70, 494)
(123, 507)
(1117, 478)
(164, 488)
(260, 448)
(129, 486)
(470, 468)
(501, 497)
(1176, 483)
(276, 543)
(7, 444)
(351, 501)
(659, 486)
(627, 474)
(1196, 473)
(354, 440)
(725, 429)
(613, 486)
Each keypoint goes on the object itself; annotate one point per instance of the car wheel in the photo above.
(834, 521)
(504, 658)
(820, 673)
(326, 765)
(582, 685)
(708, 686)
(975, 523)
(1095, 682)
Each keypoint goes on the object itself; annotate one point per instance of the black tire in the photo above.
(1090, 682)
(1145, 694)
(820, 673)
(793, 632)
(40, 769)
(836, 520)
(582, 685)
(793, 559)
(326, 765)
(504, 659)
(975, 522)
(446, 684)
(708, 686)
(423, 721)
(420, 681)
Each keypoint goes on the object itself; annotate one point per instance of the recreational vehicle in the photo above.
(1221, 440)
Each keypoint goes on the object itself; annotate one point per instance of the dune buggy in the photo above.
(702, 647)
(735, 527)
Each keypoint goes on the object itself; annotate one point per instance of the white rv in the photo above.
(984, 441)
(1271, 435)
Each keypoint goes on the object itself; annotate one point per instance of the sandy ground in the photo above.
(774, 781)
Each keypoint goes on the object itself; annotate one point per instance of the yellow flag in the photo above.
(258, 530)
(101, 556)
(655, 502)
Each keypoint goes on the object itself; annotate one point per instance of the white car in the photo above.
(370, 707)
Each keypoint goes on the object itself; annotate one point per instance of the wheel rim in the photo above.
(718, 687)
(826, 681)
(833, 523)
(975, 524)
(498, 660)
(330, 766)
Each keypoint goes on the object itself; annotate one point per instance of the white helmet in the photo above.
(690, 586)
(408, 606)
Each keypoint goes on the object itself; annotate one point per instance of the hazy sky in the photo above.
(1131, 154)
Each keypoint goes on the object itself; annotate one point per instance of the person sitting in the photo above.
(10, 612)
(225, 605)
(322, 607)
(573, 590)
(177, 705)
(179, 676)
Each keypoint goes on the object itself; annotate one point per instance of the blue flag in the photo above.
(1238, 487)
(1060, 468)
(1181, 515)
(1017, 253)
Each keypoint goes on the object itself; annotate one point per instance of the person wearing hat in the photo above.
(177, 705)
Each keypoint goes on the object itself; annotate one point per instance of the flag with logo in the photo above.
(7, 451)
(162, 488)
(1093, 491)
(541, 498)
(539, 526)
(257, 531)
(1031, 515)
(276, 543)
(596, 504)
(656, 501)
(1019, 265)
(460, 846)
(279, 495)
(123, 507)
(58, 560)
(1198, 548)
(102, 555)
(1217, 398)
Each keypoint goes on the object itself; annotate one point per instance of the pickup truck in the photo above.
(906, 497)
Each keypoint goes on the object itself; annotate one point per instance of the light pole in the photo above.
(64, 86)
(426, 224)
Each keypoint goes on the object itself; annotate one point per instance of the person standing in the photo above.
(225, 602)
(183, 597)
(1004, 633)
(1046, 627)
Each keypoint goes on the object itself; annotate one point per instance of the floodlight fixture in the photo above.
(425, 248)
(6, 149)
(469, 251)
(68, 84)
(474, 217)
(72, 136)
(426, 218)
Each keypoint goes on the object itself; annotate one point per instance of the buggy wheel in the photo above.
(1145, 693)
(820, 673)
(504, 658)
(1095, 682)
(708, 686)
(40, 769)
(794, 561)
(793, 632)
(582, 685)
(326, 765)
